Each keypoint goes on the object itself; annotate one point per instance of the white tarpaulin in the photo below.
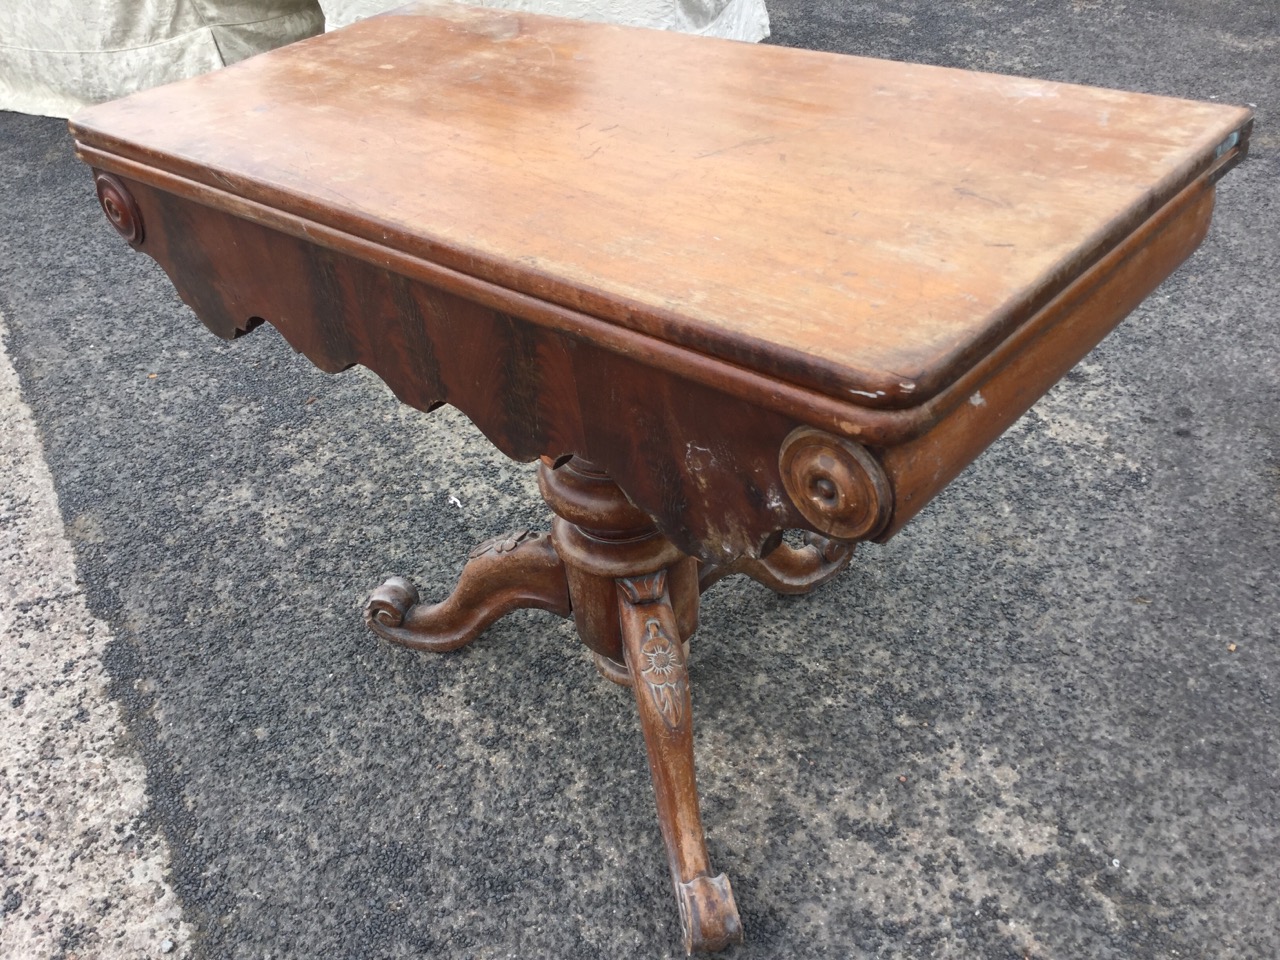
(733, 19)
(57, 56)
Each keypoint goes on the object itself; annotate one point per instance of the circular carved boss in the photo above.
(119, 206)
(837, 486)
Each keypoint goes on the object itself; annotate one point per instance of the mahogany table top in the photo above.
(860, 228)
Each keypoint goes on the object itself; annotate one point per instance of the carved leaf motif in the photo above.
(662, 667)
(645, 589)
(505, 543)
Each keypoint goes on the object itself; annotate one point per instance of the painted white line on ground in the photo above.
(80, 874)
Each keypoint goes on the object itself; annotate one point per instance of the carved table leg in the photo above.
(510, 572)
(660, 681)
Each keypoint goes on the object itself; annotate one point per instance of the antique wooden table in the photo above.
(717, 290)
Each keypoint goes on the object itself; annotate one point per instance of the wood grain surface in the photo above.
(862, 228)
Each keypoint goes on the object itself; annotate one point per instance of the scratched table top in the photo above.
(862, 227)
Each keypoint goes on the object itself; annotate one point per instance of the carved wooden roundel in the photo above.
(120, 208)
(835, 483)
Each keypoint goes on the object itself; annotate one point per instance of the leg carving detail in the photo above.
(789, 570)
(515, 571)
(660, 681)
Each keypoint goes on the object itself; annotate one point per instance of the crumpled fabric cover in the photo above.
(732, 19)
(57, 56)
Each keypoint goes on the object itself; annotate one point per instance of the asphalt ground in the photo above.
(1041, 722)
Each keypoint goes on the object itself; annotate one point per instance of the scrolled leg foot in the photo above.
(390, 603)
(517, 570)
(788, 569)
(708, 914)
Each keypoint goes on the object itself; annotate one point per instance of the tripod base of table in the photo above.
(634, 598)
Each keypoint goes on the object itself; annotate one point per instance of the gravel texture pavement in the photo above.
(82, 865)
(1041, 722)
